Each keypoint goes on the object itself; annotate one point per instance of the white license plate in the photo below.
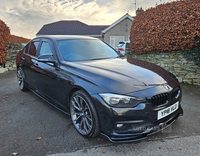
(167, 111)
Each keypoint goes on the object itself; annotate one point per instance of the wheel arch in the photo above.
(95, 113)
(73, 90)
(18, 65)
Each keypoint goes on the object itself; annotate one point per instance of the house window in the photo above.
(114, 40)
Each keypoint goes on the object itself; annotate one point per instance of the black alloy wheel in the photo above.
(21, 79)
(83, 115)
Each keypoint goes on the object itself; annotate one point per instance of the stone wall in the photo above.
(12, 50)
(175, 63)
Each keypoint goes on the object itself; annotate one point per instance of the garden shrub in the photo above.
(17, 39)
(167, 27)
(4, 38)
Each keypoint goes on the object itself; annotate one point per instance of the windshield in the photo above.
(80, 50)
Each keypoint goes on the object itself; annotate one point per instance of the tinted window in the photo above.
(26, 48)
(33, 48)
(45, 48)
(78, 50)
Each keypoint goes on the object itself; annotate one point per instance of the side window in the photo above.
(33, 48)
(45, 48)
(26, 48)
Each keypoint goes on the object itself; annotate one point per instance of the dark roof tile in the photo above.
(71, 28)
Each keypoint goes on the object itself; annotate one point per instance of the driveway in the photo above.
(30, 126)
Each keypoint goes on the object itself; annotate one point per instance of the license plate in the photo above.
(167, 111)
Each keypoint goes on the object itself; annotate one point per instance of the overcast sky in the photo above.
(26, 17)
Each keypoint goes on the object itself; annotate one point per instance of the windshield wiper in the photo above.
(101, 58)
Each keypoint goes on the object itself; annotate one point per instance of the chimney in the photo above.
(139, 10)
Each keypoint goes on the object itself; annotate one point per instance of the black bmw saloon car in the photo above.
(105, 94)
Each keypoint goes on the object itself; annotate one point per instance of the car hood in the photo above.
(117, 74)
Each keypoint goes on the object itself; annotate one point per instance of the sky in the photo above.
(26, 17)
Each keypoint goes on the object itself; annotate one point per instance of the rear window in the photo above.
(26, 48)
(33, 48)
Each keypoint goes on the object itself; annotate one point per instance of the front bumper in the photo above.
(148, 130)
(138, 122)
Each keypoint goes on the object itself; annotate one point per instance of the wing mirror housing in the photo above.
(46, 58)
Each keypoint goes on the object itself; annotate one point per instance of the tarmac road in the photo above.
(25, 117)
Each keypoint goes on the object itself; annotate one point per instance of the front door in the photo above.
(49, 82)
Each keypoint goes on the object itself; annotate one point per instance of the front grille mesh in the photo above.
(175, 92)
(160, 99)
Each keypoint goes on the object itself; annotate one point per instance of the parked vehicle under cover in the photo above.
(123, 100)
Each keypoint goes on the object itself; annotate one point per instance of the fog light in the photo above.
(120, 125)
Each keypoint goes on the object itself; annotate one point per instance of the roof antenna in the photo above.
(134, 4)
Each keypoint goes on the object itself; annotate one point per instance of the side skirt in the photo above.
(49, 100)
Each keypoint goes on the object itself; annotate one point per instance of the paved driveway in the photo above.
(25, 117)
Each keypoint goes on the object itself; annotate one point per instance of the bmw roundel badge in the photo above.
(166, 87)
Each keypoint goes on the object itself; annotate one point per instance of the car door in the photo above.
(28, 60)
(48, 77)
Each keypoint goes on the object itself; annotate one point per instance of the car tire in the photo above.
(21, 79)
(84, 115)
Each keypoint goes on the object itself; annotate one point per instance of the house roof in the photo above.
(71, 37)
(71, 28)
(117, 22)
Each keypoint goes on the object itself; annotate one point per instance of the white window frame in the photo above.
(112, 38)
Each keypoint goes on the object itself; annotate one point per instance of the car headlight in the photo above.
(121, 101)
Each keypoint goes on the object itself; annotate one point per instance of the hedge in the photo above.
(17, 39)
(4, 38)
(167, 27)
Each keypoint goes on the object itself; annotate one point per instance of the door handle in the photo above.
(36, 64)
(57, 69)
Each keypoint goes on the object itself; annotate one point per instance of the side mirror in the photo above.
(46, 58)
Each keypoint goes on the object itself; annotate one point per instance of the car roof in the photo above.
(67, 37)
